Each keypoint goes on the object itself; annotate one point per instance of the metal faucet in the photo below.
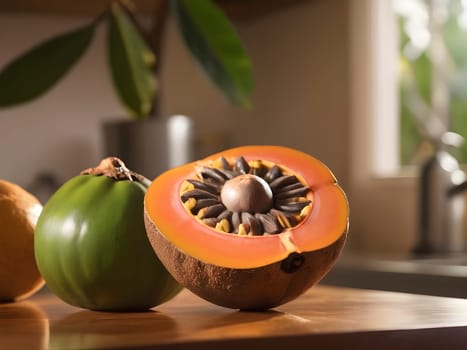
(442, 202)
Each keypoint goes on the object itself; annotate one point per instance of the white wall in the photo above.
(300, 59)
(384, 208)
(58, 132)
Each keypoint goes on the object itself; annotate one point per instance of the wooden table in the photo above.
(323, 318)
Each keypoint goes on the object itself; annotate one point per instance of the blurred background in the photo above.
(338, 79)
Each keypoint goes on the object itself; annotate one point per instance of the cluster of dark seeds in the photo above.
(201, 196)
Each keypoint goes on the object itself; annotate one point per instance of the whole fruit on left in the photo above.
(19, 210)
(91, 246)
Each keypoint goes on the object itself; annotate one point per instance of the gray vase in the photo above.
(151, 146)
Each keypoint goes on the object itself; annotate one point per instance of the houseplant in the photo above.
(133, 51)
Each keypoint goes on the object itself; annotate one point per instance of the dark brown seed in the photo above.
(269, 223)
(290, 187)
(255, 226)
(197, 194)
(225, 164)
(228, 174)
(226, 214)
(293, 207)
(278, 202)
(297, 192)
(273, 174)
(241, 165)
(286, 220)
(214, 183)
(277, 212)
(204, 186)
(212, 173)
(236, 220)
(282, 181)
(203, 203)
(212, 211)
(210, 222)
(258, 169)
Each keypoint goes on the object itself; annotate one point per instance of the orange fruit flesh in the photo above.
(327, 221)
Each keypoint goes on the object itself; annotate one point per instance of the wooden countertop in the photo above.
(325, 317)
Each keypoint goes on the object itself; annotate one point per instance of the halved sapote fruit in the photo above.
(249, 228)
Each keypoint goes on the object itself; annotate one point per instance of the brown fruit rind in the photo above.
(246, 289)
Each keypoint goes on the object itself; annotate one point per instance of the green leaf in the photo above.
(213, 42)
(33, 73)
(131, 63)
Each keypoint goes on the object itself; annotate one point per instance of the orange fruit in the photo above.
(19, 211)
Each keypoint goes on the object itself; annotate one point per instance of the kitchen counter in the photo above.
(324, 317)
(441, 276)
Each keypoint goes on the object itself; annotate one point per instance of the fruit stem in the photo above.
(116, 169)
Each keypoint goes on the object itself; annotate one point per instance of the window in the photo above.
(432, 74)
(383, 195)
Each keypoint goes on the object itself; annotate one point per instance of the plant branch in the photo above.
(157, 33)
(153, 37)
